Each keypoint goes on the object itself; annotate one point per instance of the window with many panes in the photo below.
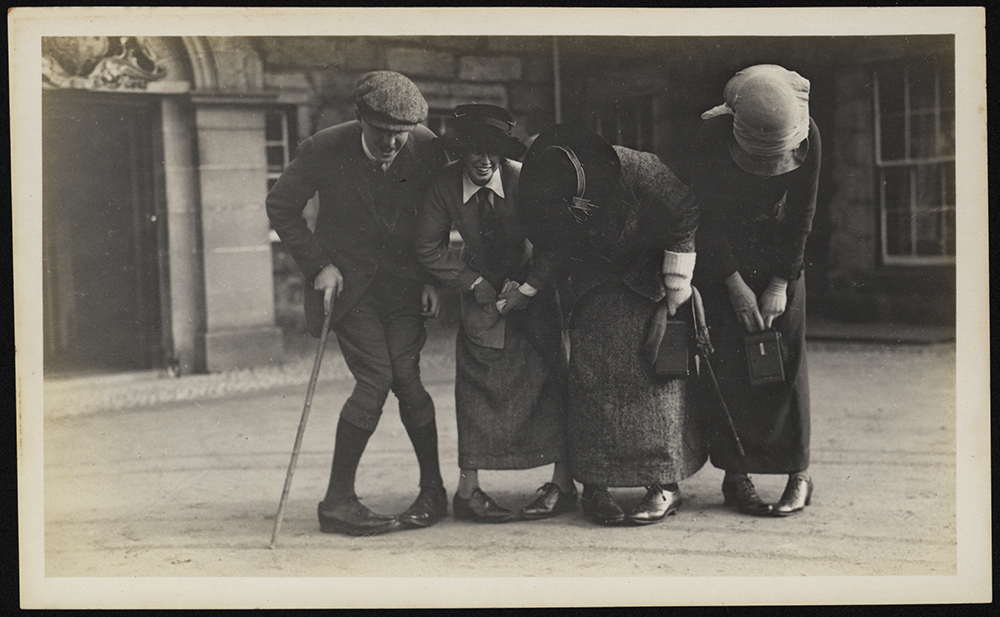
(915, 157)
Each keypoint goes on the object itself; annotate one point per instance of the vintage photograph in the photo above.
(430, 308)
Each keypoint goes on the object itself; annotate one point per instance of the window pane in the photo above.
(948, 183)
(893, 143)
(275, 158)
(270, 183)
(949, 236)
(923, 135)
(896, 190)
(274, 126)
(923, 86)
(890, 91)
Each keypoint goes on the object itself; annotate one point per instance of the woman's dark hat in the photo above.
(568, 176)
(483, 126)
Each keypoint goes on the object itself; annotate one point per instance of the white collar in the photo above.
(371, 157)
(469, 188)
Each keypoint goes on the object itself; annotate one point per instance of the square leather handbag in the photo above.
(764, 358)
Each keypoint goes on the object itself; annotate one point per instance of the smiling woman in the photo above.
(509, 398)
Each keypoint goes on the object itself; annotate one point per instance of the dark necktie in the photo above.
(489, 223)
(491, 232)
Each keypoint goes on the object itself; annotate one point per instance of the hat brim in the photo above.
(770, 166)
(507, 146)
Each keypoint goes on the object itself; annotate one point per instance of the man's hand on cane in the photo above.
(331, 283)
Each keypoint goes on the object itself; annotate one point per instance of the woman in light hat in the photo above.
(509, 399)
(756, 169)
(615, 228)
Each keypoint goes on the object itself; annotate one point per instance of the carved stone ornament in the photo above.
(99, 63)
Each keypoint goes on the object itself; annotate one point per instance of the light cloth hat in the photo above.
(770, 105)
(389, 100)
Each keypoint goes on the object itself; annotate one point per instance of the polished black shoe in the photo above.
(797, 495)
(479, 507)
(657, 504)
(740, 493)
(353, 518)
(550, 502)
(430, 506)
(600, 506)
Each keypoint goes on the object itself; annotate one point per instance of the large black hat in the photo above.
(483, 126)
(567, 184)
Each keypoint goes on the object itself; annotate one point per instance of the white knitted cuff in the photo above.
(677, 269)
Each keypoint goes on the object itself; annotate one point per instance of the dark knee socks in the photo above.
(348, 448)
(425, 446)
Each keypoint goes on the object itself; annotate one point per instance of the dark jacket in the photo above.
(751, 224)
(366, 221)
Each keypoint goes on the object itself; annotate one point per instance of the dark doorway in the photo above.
(100, 267)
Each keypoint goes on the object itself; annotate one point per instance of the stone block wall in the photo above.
(514, 72)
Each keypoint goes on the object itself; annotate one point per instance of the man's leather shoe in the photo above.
(740, 493)
(600, 506)
(797, 495)
(657, 504)
(550, 502)
(430, 506)
(352, 518)
(479, 507)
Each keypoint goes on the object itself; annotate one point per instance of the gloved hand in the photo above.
(484, 292)
(657, 328)
(773, 300)
(511, 298)
(744, 303)
(677, 297)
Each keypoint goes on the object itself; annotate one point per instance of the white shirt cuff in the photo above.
(478, 280)
(527, 289)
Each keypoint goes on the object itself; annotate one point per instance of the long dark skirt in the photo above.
(772, 420)
(627, 427)
(510, 403)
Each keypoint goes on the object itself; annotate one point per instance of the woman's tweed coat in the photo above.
(627, 427)
(510, 401)
(758, 227)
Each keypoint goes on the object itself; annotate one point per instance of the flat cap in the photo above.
(390, 101)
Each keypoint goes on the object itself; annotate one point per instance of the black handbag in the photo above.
(764, 358)
(673, 357)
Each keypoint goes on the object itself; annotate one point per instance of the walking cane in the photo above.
(704, 349)
(302, 426)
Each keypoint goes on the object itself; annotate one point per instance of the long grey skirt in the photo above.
(627, 427)
(510, 403)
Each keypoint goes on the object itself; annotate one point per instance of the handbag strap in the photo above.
(699, 322)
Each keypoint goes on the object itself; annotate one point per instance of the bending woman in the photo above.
(756, 169)
(617, 228)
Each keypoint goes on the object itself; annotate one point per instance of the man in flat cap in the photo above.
(360, 263)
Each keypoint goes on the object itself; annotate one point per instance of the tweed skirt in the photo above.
(510, 403)
(627, 427)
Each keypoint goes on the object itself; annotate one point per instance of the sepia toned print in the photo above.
(165, 337)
